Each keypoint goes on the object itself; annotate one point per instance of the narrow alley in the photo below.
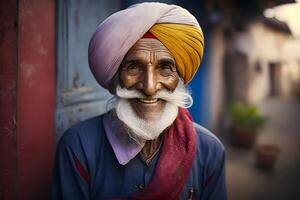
(245, 180)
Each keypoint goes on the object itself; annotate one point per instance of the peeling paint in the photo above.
(9, 89)
(39, 38)
(76, 80)
(28, 12)
(43, 51)
(28, 70)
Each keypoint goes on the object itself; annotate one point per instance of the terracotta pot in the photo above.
(244, 138)
(266, 156)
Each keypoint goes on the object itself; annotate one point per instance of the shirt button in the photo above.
(140, 186)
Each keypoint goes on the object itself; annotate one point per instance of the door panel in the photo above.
(79, 96)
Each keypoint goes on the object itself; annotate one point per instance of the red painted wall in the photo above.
(36, 99)
(27, 98)
(8, 99)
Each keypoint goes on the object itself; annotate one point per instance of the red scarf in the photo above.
(175, 162)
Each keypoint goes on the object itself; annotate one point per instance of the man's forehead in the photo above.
(147, 45)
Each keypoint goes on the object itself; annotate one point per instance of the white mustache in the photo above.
(180, 96)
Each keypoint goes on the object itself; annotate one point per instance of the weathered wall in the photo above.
(36, 97)
(27, 98)
(8, 99)
(216, 74)
(263, 47)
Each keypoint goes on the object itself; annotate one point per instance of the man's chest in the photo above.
(112, 180)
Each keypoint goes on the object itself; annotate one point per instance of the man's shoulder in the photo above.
(89, 128)
(202, 132)
(208, 141)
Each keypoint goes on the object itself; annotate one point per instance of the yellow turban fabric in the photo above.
(185, 43)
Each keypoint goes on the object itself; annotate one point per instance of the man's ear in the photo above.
(114, 83)
(179, 74)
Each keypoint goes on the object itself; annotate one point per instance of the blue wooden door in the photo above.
(78, 95)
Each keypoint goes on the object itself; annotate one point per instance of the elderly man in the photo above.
(146, 146)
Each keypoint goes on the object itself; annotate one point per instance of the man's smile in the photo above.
(148, 108)
(148, 100)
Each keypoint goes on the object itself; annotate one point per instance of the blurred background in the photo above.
(246, 91)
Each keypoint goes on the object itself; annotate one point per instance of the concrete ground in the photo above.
(247, 182)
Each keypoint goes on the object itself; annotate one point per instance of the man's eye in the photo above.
(132, 67)
(166, 67)
(166, 70)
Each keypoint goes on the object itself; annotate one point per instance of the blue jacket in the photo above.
(86, 167)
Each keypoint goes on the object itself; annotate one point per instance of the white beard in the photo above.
(141, 130)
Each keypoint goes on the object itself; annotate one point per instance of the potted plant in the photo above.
(266, 156)
(246, 121)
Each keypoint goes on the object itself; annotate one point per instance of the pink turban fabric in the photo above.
(118, 33)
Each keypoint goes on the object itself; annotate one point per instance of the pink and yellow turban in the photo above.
(172, 25)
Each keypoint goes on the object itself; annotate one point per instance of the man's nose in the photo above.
(149, 82)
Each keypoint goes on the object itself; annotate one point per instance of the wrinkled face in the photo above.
(148, 67)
